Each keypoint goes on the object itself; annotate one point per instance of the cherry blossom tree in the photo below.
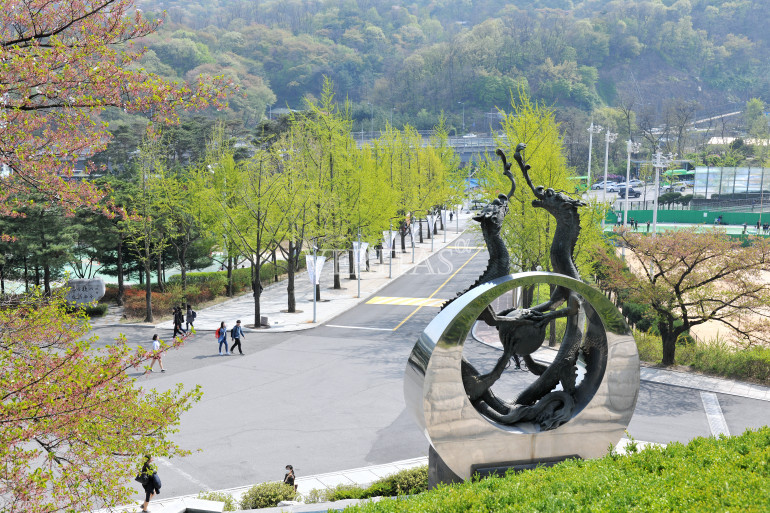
(689, 277)
(73, 423)
(63, 62)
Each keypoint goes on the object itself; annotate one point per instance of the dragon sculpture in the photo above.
(522, 330)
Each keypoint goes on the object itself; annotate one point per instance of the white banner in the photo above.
(388, 241)
(431, 221)
(359, 253)
(444, 214)
(315, 278)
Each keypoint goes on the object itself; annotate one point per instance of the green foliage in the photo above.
(406, 482)
(230, 504)
(97, 310)
(267, 495)
(707, 474)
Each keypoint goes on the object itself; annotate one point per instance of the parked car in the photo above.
(616, 187)
(632, 193)
(602, 185)
(635, 182)
(676, 187)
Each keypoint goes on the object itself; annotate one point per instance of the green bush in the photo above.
(708, 474)
(97, 310)
(230, 504)
(406, 482)
(267, 495)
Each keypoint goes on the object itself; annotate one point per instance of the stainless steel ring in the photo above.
(465, 439)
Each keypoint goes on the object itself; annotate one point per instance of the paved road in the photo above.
(331, 398)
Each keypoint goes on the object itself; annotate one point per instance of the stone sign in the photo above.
(85, 291)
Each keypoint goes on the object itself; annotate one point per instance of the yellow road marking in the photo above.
(439, 288)
(407, 301)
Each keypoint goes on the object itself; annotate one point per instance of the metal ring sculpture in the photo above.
(466, 439)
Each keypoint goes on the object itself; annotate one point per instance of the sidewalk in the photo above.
(273, 301)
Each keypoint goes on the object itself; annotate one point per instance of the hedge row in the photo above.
(726, 474)
(201, 287)
(406, 482)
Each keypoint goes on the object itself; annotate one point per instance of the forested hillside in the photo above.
(410, 60)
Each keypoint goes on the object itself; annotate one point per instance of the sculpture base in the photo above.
(438, 472)
(499, 469)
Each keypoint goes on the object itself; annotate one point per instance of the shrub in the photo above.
(97, 310)
(708, 474)
(230, 504)
(267, 495)
(406, 482)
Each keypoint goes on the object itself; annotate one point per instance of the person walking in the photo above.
(289, 477)
(150, 482)
(190, 316)
(156, 357)
(236, 334)
(221, 334)
(178, 319)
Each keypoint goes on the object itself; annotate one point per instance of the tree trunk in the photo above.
(183, 270)
(147, 288)
(47, 279)
(121, 285)
(292, 301)
(403, 241)
(257, 286)
(337, 283)
(2, 280)
(160, 272)
(367, 261)
(668, 338)
(275, 267)
(420, 230)
(230, 276)
(351, 265)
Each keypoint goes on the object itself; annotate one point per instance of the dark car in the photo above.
(632, 193)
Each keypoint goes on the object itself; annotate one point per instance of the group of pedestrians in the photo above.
(180, 317)
(236, 334)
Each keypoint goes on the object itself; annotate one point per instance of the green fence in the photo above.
(691, 217)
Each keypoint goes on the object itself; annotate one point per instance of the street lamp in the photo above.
(609, 137)
(593, 129)
(631, 147)
(463, 104)
(659, 161)
(371, 121)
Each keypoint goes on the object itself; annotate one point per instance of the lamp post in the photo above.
(659, 161)
(371, 120)
(631, 147)
(593, 129)
(463, 104)
(609, 137)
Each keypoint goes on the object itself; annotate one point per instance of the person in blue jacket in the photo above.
(222, 339)
(236, 335)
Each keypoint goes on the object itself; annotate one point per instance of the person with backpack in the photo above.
(191, 315)
(235, 335)
(148, 478)
(221, 335)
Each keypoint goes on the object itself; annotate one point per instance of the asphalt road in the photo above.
(331, 398)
